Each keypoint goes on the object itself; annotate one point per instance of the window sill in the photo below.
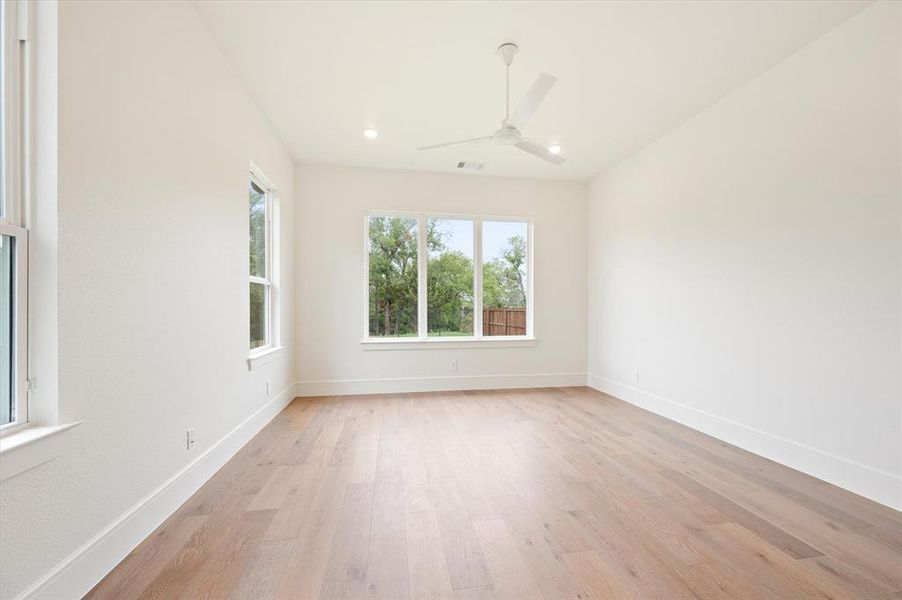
(258, 359)
(447, 343)
(31, 447)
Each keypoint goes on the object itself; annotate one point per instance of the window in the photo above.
(434, 278)
(449, 277)
(393, 276)
(504, 278)
(13, 235)
(261, 259)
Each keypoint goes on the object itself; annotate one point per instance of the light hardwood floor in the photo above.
(545, 493)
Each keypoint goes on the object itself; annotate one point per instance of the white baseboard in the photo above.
(875, 484)
(402, 385)
(84, 568)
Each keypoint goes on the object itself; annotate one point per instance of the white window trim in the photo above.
(449, 343)
(258, 359)
(41, 437)
(32, 447)
(272, 349)
(423, 341)
(15, 177)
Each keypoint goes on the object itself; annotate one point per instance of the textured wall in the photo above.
(156, 134)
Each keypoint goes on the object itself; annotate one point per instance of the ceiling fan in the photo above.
(509, 134)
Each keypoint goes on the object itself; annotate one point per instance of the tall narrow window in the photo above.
(449, 277)
(393, 276)
(13, 235)
(260, 261)
(505, 281)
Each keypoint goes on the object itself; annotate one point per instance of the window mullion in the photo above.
(422, 258)
(477, 277)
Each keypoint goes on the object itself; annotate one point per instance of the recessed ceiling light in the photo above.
(370, 134)
(554, 148)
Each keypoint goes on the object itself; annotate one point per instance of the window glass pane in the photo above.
(258, 231)
(258, 314)
(449, 277)
(504, 278)
(7, 408)
(392, 276)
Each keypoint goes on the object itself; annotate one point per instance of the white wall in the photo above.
(748, 264)
(331, 204)
(156, 134)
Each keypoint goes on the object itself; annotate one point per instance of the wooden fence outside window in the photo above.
(504, 321)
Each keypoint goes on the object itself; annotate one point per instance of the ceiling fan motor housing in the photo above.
(508, 135)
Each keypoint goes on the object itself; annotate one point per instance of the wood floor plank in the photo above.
(629, 557)
(463, 554)
(332, 487)
(221, 573)
(510, 575)
(292, 513)
(387, 574)
(542, 553)
(306, 568)
(508, 495)
(277, 488)
(346, 573)
(427, 567)
(260, 579)
(182, 571)
(767, 572)
(138, 569)
(779, 538)
(365, 458)
(598, 577)
(846, 576)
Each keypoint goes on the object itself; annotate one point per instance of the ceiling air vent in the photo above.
(473, 166)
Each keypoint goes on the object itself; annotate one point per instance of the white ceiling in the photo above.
(426, 72)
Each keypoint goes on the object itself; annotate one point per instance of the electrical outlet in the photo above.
(636, 376)
(453, 366)
(190, 439)
(268, 387)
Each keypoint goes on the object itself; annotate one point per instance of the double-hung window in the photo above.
(13, 232)
(261, 209)
(447, 277)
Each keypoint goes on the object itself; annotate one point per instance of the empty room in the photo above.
(459, 300)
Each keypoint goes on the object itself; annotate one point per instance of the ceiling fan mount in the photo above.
(507, 52)
(510, 132)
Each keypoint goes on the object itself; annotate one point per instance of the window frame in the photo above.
(19, 371)
(422, 339)
(271, 259)
(14, 197)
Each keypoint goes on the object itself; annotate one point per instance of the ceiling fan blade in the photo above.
(469, 141)
(537, 149)
(531, 101)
